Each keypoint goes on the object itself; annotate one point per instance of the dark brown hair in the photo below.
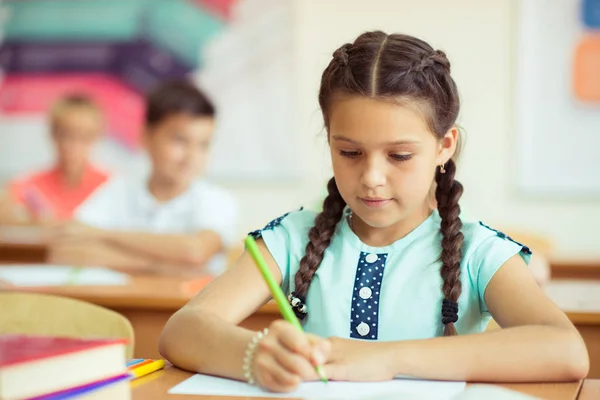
(406, 70)
(176, 97)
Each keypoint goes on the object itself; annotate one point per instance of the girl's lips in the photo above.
(375, 203)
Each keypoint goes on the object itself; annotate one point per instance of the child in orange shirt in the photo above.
(54, 194)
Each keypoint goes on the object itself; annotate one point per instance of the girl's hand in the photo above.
(285, 357)
(359, 360)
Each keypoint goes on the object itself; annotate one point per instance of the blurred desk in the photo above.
(590, 390)
(23, 244)
(156, 386)
(148, 301)
(575, 269)
(580, 299)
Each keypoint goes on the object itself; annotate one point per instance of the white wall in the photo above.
(478, 37)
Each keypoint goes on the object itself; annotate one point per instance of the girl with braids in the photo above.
(383, 283)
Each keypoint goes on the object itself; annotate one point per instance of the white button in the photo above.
(363, 329)
(365, 293)
(371, 258)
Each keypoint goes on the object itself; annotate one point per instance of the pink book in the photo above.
(33, 366)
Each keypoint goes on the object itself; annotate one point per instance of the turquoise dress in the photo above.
(393, 292)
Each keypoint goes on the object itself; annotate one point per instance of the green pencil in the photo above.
(278, 295)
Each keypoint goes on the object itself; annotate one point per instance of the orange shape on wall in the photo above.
(586, 71)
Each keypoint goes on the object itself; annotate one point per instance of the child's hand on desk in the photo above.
(76, 231)
(285, 357)
(11, 212)
(358, 360)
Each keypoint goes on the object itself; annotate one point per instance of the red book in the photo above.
(36, 365)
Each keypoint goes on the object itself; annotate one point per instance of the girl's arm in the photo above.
(538, 342)
(203, 335)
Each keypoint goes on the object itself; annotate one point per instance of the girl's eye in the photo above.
(401, 157)
(349, 154)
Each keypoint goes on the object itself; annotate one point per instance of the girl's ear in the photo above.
(448, 145)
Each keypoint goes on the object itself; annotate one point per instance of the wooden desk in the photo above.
(156, 386)
(148, 301)
(23, 253)
(23, 244)
(575, 269)
(590, 390)
(580, 299)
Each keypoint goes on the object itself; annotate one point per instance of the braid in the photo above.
(447, 194)
(320, 237)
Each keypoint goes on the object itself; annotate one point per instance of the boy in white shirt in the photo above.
(170, 218)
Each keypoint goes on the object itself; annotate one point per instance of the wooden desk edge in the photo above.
(583, 318)
(157, 385)
(590, 390)
(575, 269)
(127, 302)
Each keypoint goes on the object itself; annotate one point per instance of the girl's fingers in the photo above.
(320, 349)
(296, 352)
(293, 363)
(272, 376)
(290, 337)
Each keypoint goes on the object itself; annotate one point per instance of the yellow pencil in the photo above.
(147, 369)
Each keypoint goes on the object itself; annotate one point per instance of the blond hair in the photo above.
(73, 101)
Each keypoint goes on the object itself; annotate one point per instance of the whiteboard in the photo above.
(558, 134)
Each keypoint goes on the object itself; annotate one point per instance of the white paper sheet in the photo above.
(491, 392)
(57, 275)
(405, 389)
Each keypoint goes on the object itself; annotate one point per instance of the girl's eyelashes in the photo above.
(394, 156)
(401, 157)
(349, 154)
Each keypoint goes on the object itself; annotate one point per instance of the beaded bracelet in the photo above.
(249, 357)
